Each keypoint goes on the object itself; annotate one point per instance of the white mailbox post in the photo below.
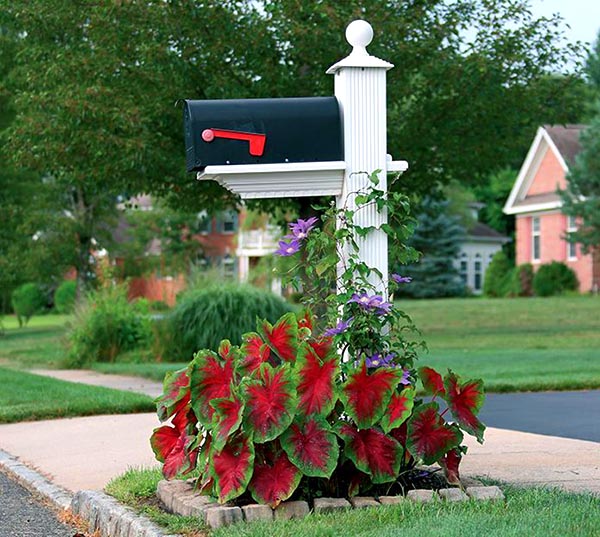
(360, 88)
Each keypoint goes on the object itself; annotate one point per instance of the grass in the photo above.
(137, 489)
(527, 344)
(40, 343)
(26, 397)
(532, 512)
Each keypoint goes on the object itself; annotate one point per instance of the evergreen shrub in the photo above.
(521, 280)
(204, 317)
(106, 325)
(64, 296)
(498, 276)
(26, 300)
(554, 278)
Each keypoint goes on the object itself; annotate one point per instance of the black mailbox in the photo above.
(262, 131)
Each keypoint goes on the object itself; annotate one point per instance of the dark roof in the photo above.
(482, 231)
(566, 140)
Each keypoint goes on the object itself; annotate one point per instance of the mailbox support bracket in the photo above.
(286, 180)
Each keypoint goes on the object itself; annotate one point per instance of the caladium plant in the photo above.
(297, 402)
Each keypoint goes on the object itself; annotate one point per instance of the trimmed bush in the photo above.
(107, 325)
(497, 276)
(64, 296)
(204, 317)
(554, 278)
(521, 280)
(27, 300)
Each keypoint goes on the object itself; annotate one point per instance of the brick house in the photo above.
(541, 227)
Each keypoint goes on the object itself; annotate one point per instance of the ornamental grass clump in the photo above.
(319, 406)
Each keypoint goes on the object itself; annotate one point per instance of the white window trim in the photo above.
(571, 227)
(535, 234)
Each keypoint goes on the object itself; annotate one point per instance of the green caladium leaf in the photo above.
(311, 446)
(232, 468)
(429, 437)
(366, 395)
(271, 402)
(398, 410)
(254, 352)
(372, 451)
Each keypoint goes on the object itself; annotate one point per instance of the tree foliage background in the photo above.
(94, 86)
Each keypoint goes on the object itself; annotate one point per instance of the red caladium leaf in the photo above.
(311, 446)
(429, 437)
(227, 351)
(226, 419)
(450, 462)
(171, 447)
(254, 352)
(372, 452)
(399, 409)
(366, 395)
(176, 387)
(232, 467)
(317, 392)
(210, 378)
(270, 402)
(306, 320)
(282, 337)
(274, 480)
(432, 381)
(322, 346)
(465, 401)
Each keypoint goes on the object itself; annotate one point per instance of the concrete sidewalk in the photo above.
(86, 453)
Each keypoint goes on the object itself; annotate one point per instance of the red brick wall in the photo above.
(549, 176)
(153, 288)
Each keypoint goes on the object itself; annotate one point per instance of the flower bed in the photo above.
(319, 405)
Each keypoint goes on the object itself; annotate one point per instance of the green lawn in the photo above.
(26, 397)
(153, 371)
(513, 344)
(526, 512)
(39, 344)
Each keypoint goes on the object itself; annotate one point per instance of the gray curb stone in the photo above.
(492, 493)
(328, 505)
(59, 497)
(101, 511)
(452, 495)
(360, 502)
(106, 515)
(419, 495)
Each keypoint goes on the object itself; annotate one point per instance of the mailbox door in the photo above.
(262, 131)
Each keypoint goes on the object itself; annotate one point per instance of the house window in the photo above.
(464, 269)
(228, 266)
(477, 273)
(228, 221)
(204, 223)
(535, 238)
(571, 246)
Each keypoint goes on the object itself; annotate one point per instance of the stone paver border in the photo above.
(180, 498)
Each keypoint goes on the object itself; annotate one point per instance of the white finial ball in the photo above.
(359, 34)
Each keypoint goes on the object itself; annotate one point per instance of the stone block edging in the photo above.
(58, 497)
(180, 498)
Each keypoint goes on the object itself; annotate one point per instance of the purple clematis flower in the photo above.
(377, 360)
(405, 380)
(300, 228)
(341, 327)
(401, 279)
(371, 303)
(288, 248)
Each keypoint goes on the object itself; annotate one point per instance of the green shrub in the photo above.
(64, 296)
(497, 276)
(158, 306)
(203, 317)
(27, 300)
(107, 325)
(554, 278)
(521, 280)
